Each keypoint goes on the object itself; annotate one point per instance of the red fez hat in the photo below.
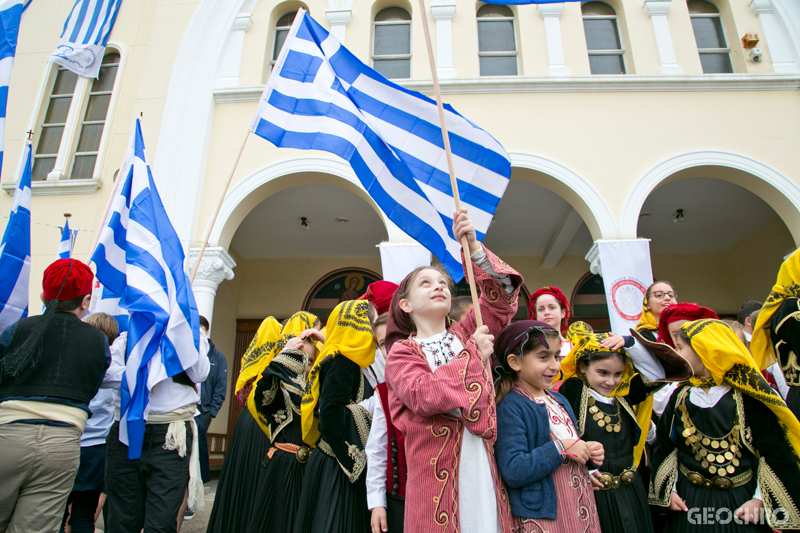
(681, 311)
(379, 294)
(66, 279)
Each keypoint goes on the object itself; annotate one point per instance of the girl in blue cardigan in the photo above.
(539, 452)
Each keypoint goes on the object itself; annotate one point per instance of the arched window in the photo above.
(282, 28)
(77, 108)
(715, 54)
(497, 42)
(602, 38)
(94, 119)
(391, 47)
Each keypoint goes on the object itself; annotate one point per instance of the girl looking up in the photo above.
(539, 451)
(441, 394)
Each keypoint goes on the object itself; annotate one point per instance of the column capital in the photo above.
(242, 22)
(339, 16)
(656, 7)
(215, 267)
(550, 10)
(445, 10)
(593, 257)
(760, 7)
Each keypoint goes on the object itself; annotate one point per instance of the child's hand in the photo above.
(462, 226)
(613, 342)
(751, 511)
(295, 343)
(596, 452)
(596, 483)
(484, 341)
(577, 450)
(676, 503)
(315, 335)
(378, 521)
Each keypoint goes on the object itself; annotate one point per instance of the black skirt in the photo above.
(92, 470)
(329, 502)
(241, 472)
(278, 495)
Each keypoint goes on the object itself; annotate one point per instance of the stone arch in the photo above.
(782, 194)
(268, 180)
(575, 189)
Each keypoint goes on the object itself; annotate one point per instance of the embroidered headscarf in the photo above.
(297, 324)
(348, 334)
(787, 286)
(267, 335)
(562, 300)
(380, 294)
(585, 342)
(730, 363)
(515, 337)
(681, 311)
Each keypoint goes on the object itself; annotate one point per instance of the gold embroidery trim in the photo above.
(744, 432)
(269, 395)
(584, 406)
(665, 478)
(775, 497)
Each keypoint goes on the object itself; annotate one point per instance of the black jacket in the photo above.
(214, 388)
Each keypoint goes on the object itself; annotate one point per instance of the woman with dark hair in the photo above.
(658, 297)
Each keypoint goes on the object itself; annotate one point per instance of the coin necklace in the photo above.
(603, 419)
(719, 455)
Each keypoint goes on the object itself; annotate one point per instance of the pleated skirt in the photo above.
(278, 495)
(329, 502)
(234, 502)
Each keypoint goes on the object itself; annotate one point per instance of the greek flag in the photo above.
(140, 258)
(67, 243)
(15, 251)
(321, 97)
(10, 15)
(105, 301)
(85, 36)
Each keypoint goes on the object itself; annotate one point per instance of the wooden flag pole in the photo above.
(213, 220)
(451, 168)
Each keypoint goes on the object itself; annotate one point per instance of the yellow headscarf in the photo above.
(583, 343)
(298, 323)
(647, 320)
(787, 286)
(348, 334)
(262, 345)
(729, 362)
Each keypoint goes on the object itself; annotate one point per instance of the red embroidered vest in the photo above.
(396, 469)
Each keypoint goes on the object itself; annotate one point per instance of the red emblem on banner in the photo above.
(627, 296)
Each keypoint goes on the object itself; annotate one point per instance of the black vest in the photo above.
(70, 367)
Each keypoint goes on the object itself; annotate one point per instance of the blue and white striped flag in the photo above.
(67, 243)
(105, 301)
(10, 15)
(15, 251)
(139, 257)
(85, 36)
(320, 96)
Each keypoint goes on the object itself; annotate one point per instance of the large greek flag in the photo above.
(139, 257)
(321, 97)
(85, 36)
(15, 251)
(10, 15)
(105, 301)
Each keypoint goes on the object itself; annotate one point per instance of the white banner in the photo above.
(627, 273)
(399, 259)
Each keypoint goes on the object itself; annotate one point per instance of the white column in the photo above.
(443, 12)
(231, 60)
(777, 42)
(657, 11)
(551, 14)
(339, 13)
(215, 267)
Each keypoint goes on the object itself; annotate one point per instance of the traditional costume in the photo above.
(647, 325)
(566, 345)
(725, 440)
(334, 498)
(620, 422)
(547, 492)
(441, 396)
(776, 337)
(51, 366)
(379, 294)
(243, 472)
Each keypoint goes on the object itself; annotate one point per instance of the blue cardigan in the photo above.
(526, 456)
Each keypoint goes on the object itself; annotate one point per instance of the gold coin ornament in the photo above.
(617, 428)
(706, 441)
(705, 464)
(721, 472)
(724, 444)
(728, 456)
(601, 423)
(715, 444)
(730, 469)
(711, 457)
(712, 469)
